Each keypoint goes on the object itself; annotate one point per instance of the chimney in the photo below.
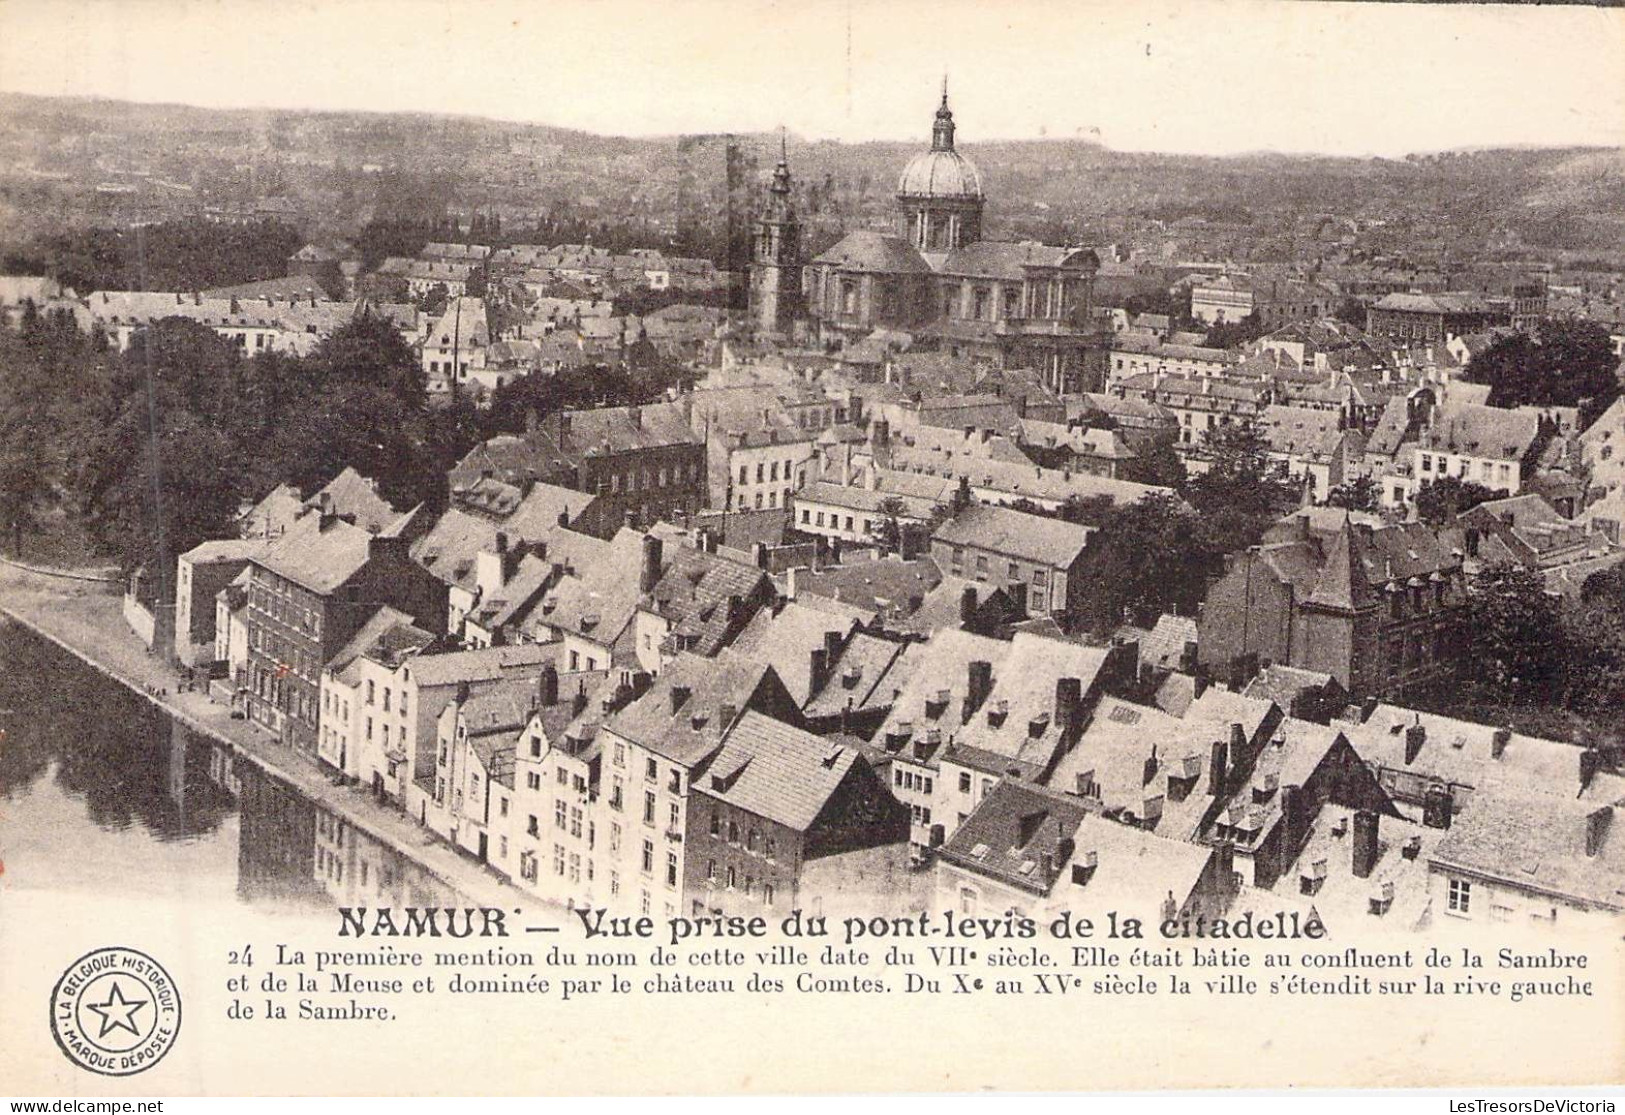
(1238, 741)
(1218, 768)
(967, 604)
(649, 571)
(832, 646)
(1224, 866)
(1590, 764)
(1415, 736)
(547, 686)
(978, 684)
(578, 703)
(725, 716)
(1498, 742)
(1365, 843)
(679, 697)
(817, 669)
(1291, 827)
(1438, 806)
(1597, 823)
(634, 415)
(1068, 703)
(462, 692)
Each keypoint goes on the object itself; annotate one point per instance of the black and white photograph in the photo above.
(955, 525)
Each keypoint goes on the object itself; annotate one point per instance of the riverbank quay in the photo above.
(85, 619)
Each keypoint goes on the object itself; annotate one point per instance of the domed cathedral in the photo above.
(1012, 305)
(775, 267)
(939, 194)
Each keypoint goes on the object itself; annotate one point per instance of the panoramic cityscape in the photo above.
(455, 510)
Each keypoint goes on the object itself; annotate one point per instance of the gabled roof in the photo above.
(994, 259)
(1481, 431)
(388, 636)
(1016, 534)
(788, 638)
(1020, 835)
(874, 251)
(352, 494)
(686, 727)
(318, 557)
(776, 771)
(488, 664)
(694, 595)
(1539, 842)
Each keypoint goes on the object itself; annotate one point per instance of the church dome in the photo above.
(940, 174)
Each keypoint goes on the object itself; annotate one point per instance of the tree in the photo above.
(23, 489)
(1571, 363)
(1515, 634)
(1148, 558)
(1352, 311)
(1237, 497)
(1438, 503)
(1360, 494)
(888, 531)
(368, 351)
(1234, 334)
(1157, 464)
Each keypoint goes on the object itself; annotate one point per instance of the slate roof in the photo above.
(867, 676)
(315, 558)
(1000, 737)
(450, 548)
(1481, 431)
(693, 731)
(888, 586)
(788, 638)
(1083, 441)
(598, 601)
(874, 251)
(387, 636)
(693, 593)
(357, 495)
(1302, 431)
(1342, 900)
(1463, 753)
(1013, 833)
(776, 771)
(1036, 538)
(225, 549)
(943, 663)
(488, 664)
(996, 259)
(1163, 647)
(615, 429)
(1538, 842)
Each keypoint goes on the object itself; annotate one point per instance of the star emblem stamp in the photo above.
(115, 1011)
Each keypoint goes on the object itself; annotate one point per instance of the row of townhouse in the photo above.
(694, 793)
(1226, 806)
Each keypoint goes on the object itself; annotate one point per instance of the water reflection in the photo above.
(99, 790)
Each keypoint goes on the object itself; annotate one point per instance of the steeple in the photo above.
(778, 199)
(942, 131)
(775, 270)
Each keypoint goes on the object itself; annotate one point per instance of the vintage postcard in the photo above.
(563, 548)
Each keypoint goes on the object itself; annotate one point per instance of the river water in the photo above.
(102, 792)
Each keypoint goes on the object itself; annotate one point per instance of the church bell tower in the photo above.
(775, 268)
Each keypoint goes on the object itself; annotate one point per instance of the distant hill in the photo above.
(344, 168)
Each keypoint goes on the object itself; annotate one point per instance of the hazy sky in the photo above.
(1208, 76)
